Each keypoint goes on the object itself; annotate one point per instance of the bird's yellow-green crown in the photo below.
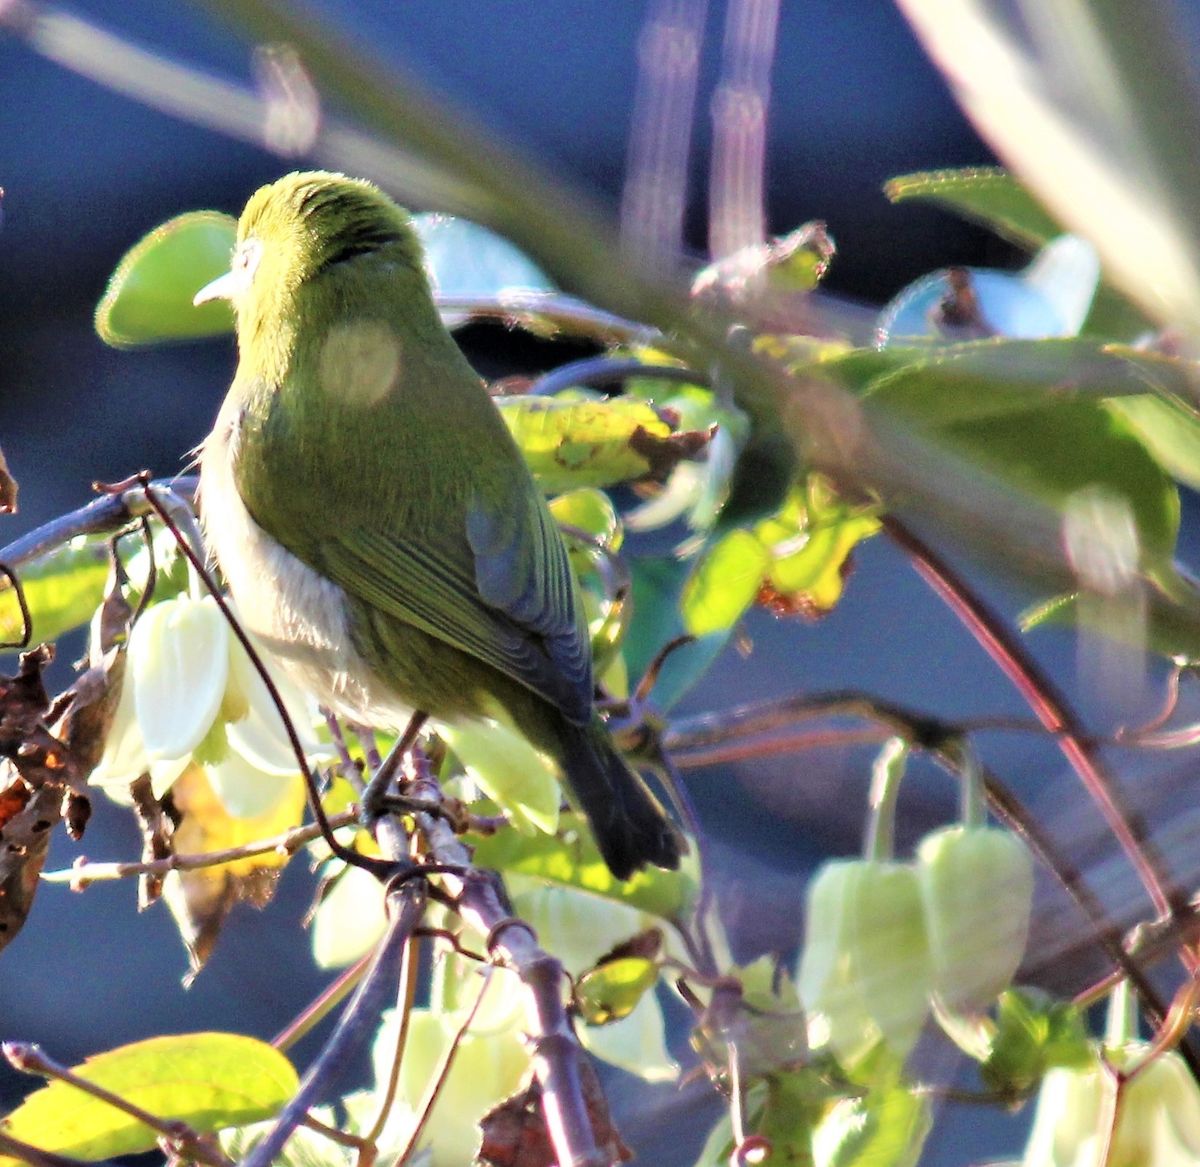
(328, 218)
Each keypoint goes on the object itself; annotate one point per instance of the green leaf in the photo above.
(885, 1128)
(207, 1080)
(988, 378)
(612, 990)
(810, 541)
(658, 583)
(149, 297)
(1034, 1032)
(1056, 451)
(724, 583)
(1170, 431)
(985, 194)
(576, 863)
(571, 443)
(62, 590)
(592, 512)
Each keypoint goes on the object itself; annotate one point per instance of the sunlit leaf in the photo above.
(575, 443)
(577, 863)
(724, 584)
(62, 590)
(1170, 431)
(149, 296)
(985, 378)
(207, 1080)
(810, 541)
(592, 512)
(1033, 1033)
(986, 194)
(521, 781)
(885, 1128)
(612, 990)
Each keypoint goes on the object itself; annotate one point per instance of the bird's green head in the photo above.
(301, 227)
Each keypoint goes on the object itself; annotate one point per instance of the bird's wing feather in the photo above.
(530, 632)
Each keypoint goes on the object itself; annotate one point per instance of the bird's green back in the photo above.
(369, 449)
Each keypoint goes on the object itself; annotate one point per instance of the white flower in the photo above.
(190, 693)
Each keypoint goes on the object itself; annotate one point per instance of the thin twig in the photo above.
(1049, 706)
(357, 1025)
(434, 1090)
(409, 975)
(83, 872)
(323, 1004)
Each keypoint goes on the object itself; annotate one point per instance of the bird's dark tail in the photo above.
(628, 822)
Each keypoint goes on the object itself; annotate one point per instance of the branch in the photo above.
(357, 1025)
(511, 942)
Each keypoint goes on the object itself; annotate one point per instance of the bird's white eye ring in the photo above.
(245, 259)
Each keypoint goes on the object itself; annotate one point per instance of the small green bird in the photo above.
(375, 521)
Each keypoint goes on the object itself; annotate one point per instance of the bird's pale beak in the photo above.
(224, 287)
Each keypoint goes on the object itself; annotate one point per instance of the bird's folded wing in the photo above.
(529, 637)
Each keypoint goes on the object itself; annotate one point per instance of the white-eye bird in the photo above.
(376, 523)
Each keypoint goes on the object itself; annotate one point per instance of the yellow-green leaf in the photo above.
(574, 443)
(149, 297)
(612, 990)
(575, 862)
(62, 590)
(207, 1080)
(724, 584)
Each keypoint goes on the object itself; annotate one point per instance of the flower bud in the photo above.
(1158, 1124)
(977, 890)
(865, 975)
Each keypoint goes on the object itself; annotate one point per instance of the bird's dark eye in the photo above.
(245, 258)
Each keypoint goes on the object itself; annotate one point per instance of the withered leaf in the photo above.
(8, 488)
(664, 452)
(200, 899)
(514, 1133)
(27, 818)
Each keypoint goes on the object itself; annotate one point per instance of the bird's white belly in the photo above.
(296, 614)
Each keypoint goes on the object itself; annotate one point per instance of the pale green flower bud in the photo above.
(486, 1070)
(977, 889)
(865, 975)
(1158, 1125)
